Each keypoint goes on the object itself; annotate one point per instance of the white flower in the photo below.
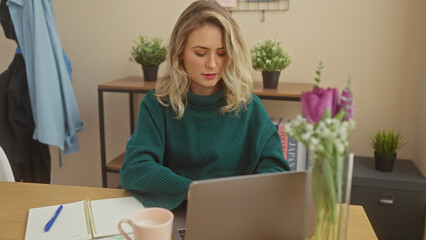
(309, 127)
(339, 147)
(314, 141)
(306, 136)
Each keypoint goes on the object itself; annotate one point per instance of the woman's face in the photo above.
(204, 58)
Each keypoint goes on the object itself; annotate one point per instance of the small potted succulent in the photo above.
(269, 57)
(150, 53)
(386, 144)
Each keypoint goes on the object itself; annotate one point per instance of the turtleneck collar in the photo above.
(215, 99)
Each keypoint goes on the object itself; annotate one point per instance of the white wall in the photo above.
(381, 44)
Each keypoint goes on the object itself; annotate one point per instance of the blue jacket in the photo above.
(53, 103)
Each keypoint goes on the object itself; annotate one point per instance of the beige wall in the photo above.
(420, 149)
(381, 44)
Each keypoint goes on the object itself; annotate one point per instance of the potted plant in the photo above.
(385, 145)
(150, 53)
(269, 57)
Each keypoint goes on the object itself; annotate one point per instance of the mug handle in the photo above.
(121, 230)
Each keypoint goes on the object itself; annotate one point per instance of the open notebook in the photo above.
(82, 220)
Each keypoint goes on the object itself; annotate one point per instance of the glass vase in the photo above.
(331, 180)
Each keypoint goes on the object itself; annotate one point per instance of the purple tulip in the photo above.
(347, 104)
(314, 103)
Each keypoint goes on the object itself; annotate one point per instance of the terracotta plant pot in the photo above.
(150, 73)
(384, 163)
(270, 79)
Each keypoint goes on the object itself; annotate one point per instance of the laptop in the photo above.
(251, 207)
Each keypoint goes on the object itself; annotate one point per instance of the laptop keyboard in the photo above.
(181, 233)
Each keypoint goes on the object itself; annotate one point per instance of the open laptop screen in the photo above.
(262, 206)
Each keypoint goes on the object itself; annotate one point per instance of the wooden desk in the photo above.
(135, 84)
(17, 198)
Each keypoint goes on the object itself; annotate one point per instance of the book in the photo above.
(302, 157)
(285, 142)
(281, 132)
(275, 121)
(117, 237)
(82, 220)
(297, 153)
(284, 138)
(292, 153)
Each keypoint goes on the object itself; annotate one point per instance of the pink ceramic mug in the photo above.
(150, 224)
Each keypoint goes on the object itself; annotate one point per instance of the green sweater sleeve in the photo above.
(271, 154)
(142, 172)
(269, 147)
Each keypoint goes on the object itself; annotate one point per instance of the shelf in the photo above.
(287, 91)
(128, 84)
(115, 164)
(135, 84)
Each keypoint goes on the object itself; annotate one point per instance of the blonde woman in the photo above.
(201, 121)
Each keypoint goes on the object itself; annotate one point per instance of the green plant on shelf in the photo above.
(148, 51)
(387, 142)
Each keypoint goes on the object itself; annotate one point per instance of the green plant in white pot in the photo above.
(386, 144)
(269, 57)
(150, 53)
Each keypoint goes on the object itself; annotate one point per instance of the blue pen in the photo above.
(51, 221)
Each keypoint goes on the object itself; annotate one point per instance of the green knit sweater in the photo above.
(165, 155)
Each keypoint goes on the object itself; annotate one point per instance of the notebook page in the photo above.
(108, 212)
(70, 224)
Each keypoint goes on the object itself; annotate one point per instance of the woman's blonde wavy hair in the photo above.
(172, 90)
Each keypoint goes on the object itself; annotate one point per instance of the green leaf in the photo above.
(318, 186)
(269, 56)
(340, 115)
(387, 142)
(326, 114)
(148, 52)
(328, 175)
